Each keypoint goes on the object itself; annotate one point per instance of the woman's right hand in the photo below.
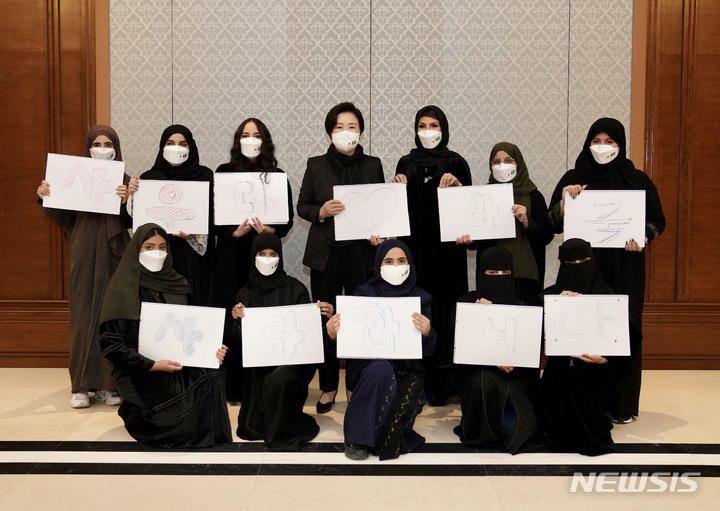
(574, 191)
(484, 301)
(333, 325)
(242, 229)
(331, 208)
(166, 366)
(44, 189)
(238, 311)
(400, 178)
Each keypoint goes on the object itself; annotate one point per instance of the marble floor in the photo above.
(54, 457)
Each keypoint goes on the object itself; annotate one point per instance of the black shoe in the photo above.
(325, 407)
(355, 452)
(437, 399)
(624, 419)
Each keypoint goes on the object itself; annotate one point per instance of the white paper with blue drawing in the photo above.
(242, 195)
(498, 335)
(606, 218)
(83, 184)
(186, 334)
(173, 205)
(482, 211)
(371, 209)
(283, 335)
(587, 324)
(378, 328)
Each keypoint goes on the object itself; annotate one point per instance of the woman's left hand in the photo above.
(333, 325)
(448, 179)
(184, 235)
(465, 239)
(221, 353)
(506, 369)
(634, 246)
(326, 309)
(261, 227)
(591, 359)
(421, 323)
(520, 212)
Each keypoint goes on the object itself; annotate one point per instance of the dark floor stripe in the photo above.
(432, 448)
(360, 469)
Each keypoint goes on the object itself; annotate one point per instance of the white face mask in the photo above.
(604, 153)
(504, 172)
(175, 154)
(430, 138)
(153, 260)
(267, 265)
(393, 274)
(345, 141)
(250, 147)
(102, 153)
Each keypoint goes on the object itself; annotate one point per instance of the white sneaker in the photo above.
(111, 398)
(80, 400)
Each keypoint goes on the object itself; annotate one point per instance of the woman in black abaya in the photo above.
(603, 165)
(495, 403)
(273, 397)
(575, 391)
(441, 266)
(178, 160)
(164, 404)
(387, 394)
(253, 150)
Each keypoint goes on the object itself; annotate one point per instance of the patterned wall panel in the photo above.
(140, 77)
(533, 72)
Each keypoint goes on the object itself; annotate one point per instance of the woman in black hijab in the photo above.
(253, 150)
(495, 403)
(507, 165)
(387, 394)
(441, 266)
(164, 404)
(575, 391)
(603, 165)
(178, 160)
(273, 397)
(335, 266)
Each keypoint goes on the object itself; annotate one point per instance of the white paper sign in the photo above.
(182, 333)
(498, 335)
(606, 218)
(83, 184)
(241, 195)
(482, 211)
(286, 335)
(173, 205)
(587, 324)
(378, 328)
(372, 209)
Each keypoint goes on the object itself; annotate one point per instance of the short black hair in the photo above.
(332, 115)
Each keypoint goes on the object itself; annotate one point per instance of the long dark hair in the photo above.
(265, 162)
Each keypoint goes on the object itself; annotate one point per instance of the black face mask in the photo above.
(577, 277)
(498, 289)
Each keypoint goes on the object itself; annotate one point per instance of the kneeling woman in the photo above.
(273, 397)
(387, 394)
(165, 404)
(495, 403)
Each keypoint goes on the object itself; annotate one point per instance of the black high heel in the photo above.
(325, 407)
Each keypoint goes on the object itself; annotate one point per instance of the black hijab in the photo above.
(110, 133)
(582, 277)
(620, 173)
(122, 296)
(499, 289)
(440, 154)
(189, 170)
(277, 279)
(377, 286)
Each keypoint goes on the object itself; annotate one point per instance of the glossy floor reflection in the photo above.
(54, 457)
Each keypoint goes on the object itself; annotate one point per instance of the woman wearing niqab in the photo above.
(623, 269)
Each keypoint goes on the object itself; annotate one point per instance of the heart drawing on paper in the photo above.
(368, 212)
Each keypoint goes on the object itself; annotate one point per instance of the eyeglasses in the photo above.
(498, 161)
